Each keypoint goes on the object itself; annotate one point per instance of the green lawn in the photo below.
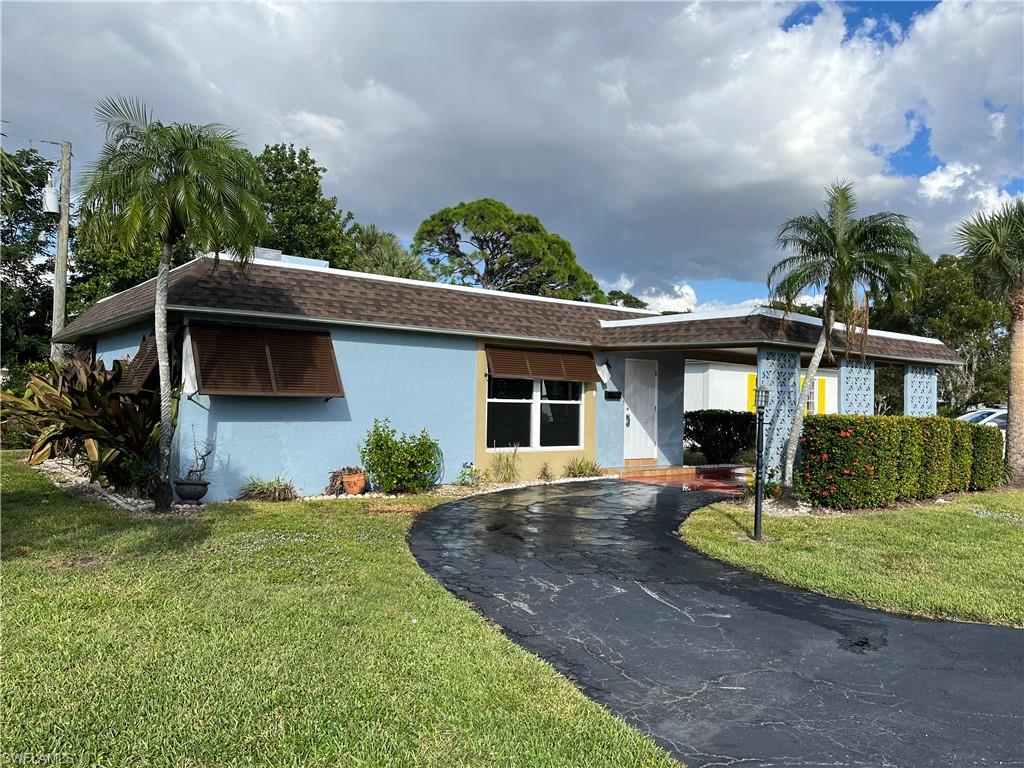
(274, 634)
(963, 560)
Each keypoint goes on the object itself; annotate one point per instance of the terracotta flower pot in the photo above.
(354, 484)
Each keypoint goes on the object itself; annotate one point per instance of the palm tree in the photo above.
(378, 251)
(993, 244)
(172, 182)
(851, 261)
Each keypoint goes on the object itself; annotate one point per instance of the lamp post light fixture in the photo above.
(760, 403)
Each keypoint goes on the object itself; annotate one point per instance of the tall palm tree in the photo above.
(994, 246)
(378, 251)
(172, 181)
(851, 261)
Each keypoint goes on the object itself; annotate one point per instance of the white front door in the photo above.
(641, 410)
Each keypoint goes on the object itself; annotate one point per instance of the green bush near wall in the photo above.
(851, 462)
(988, 469)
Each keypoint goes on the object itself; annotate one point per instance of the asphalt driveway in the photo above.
(721, 667)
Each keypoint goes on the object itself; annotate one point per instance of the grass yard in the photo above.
(963, 560)
(274, 634)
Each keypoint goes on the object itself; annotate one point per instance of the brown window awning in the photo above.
(275, 362)
(139, 369)
(556, 365)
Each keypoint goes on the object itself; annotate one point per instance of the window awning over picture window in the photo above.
(553, 365)
(139, 370)
(274, 362)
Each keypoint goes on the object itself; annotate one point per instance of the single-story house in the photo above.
(285, 363)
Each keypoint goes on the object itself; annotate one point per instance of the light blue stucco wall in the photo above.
(416, 379)
(671, 370)
(122, 344)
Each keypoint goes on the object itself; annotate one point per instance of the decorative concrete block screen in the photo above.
(856, 385)
(779, 371)
(920, 390)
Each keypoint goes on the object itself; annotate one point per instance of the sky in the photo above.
(666, 141)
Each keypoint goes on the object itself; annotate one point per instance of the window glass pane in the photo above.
(561, 390)
(509, 389)
(999, 421)
(508, 424)
(559, 424)
(974, 418)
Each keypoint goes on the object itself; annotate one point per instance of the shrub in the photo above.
(18, 432)
(936, 447)
(74, 409)
(850, 461)
(772, 486)
(961, 455)
(720, 435)
(470, 475)
(580, 466)
(505, 466)
(275, 489)
(908, 456)
(400, 463)
(545, 475)
(988, 469)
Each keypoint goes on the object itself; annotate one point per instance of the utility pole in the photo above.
(60, 264)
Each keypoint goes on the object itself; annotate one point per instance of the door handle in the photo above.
(627, 419)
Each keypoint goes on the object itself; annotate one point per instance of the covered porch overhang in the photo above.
(778, 347)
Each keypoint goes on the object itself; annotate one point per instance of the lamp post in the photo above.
(760, 403)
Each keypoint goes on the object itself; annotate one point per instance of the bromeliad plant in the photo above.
(75, 410)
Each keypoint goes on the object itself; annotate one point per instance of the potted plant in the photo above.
(193, 486)
(351, 480)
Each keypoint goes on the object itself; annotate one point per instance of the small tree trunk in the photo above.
(801, 405)
(163, 495)
(1015, 403)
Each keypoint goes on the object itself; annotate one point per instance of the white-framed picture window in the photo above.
(536, 414)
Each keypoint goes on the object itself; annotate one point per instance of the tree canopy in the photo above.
(487, 244)
(852, 261)
(303, 221)
(27, 237)
(378, 251)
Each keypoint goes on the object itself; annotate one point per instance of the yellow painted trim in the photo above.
(821, 394)
(751, 397)
(531, 461)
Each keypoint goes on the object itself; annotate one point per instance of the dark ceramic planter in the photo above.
(191, 491)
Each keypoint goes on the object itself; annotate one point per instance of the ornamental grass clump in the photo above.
(580, 466)
(274, 489)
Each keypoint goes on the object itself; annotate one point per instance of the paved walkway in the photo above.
(721, 667)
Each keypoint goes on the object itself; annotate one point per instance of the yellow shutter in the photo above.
(751, 384)
(821, 395)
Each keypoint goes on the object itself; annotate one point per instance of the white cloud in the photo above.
(721, 124)
(675, 298)
(945, 180)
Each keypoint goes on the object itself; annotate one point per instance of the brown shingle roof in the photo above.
(350, 298)
(347, 298)
(765, 327)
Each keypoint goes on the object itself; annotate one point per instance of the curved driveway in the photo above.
(721, 667)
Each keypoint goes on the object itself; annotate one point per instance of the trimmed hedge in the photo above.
(851, 462)
(988, 469)
(936, 444)
(719, 434)
(961, 456)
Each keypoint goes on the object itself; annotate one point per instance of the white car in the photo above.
(994, 417)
